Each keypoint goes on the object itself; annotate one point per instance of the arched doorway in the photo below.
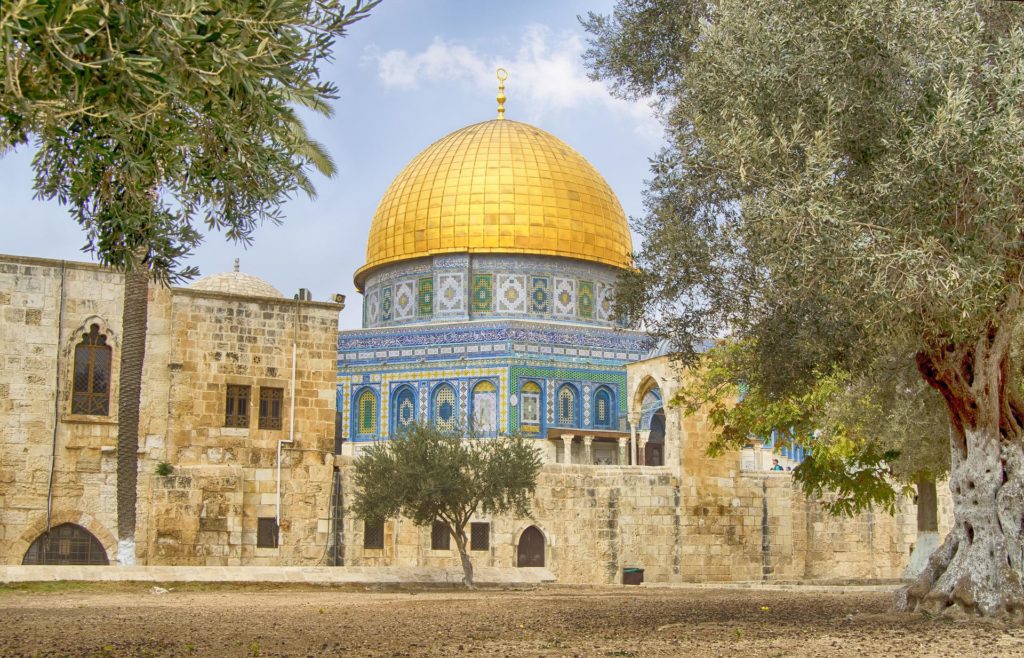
(66, 543)
(654, 451)
(530, 552)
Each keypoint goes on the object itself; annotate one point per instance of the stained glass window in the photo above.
(404, 409)
(445, 418)
(567, 406)
(603, 408)
(91, 393)
(529, 407)
(366, 413)
(485, 408)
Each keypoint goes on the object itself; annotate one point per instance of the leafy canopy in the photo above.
(428, 475)
(149, 118)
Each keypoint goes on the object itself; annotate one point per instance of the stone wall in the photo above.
(198, 341)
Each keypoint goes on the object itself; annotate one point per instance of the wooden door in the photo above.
(531, 548)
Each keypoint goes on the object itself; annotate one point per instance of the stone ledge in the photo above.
(506, 576)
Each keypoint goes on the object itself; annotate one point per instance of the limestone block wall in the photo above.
(198, 341)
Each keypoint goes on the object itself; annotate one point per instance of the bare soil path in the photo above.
(232, 620)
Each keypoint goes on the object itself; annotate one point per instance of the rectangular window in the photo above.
(440, 539)
(271, 404)
(266, 532)
(373, 534)
(479, 536)
(236, 408)
(531, 409)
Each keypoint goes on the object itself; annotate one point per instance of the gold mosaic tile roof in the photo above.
(499, 186)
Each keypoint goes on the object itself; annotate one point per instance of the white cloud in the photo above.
(547, 75)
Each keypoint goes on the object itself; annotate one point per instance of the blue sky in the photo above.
(411, 73)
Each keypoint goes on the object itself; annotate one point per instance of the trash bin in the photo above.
(632, 576)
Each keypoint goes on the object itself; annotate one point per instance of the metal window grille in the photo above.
(602, 409)
(566, 406)
(266, 532)
(405, 409)
(479, 536)
(236, 407)
(91, 386)
(445, 417)
(440, 539)
(66, 544)
(373, 535)
(271, 407)
(366, 413)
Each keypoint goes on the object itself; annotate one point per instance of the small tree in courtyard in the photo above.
(427, 475)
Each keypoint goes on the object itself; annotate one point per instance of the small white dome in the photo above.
(236, 283)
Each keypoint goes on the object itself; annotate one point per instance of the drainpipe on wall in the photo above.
(291, 420)
(56, 412)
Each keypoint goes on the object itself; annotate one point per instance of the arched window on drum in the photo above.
(445, 414)
(366, 413)
(403, 409)
(485, 409)
(567, 415)
(529, 408)
(604, 408)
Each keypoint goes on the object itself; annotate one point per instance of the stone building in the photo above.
(487, 295)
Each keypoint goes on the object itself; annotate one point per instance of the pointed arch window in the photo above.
(567, 406)
(91, 385)
(529, 408)
(403, 409)
(603, 408)
(366, 413)
(445, 416)
(485, 408)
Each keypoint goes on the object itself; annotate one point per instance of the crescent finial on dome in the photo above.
(502, 76)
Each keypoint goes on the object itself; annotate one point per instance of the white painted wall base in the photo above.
(926, 544)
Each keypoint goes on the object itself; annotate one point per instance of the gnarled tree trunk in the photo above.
(129, 398)
(978, 567)
(467, 566)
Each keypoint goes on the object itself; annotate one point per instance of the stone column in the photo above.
(642, 437)
(567, 448)
(588, 454)
(623, 451)
(634, 423)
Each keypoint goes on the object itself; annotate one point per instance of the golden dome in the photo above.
(498, 187)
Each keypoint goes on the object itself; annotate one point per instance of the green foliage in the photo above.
(151, 117)
(164, 468)
(427, 475)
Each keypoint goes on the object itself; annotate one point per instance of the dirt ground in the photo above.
(193, 620)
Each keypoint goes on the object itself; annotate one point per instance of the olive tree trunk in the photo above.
(462, 544)
(978, 566)
(129, 397)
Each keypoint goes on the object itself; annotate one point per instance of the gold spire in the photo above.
(502, 76)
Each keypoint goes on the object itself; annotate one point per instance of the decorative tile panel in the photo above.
(605, 296)
(540, 295)
(405, 300)
(585, 299)
(387, 304)
(372, 308)
(451, 293)
(564, 298)
(511, 293)
(425, 297)
(483, 293)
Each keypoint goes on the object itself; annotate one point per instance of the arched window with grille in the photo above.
(604, 409)
(446, 418)
(66, 543)
(91, 386)
(567, 415)
(403, 409)
(366, 413)
(485, 408)
(529, 408)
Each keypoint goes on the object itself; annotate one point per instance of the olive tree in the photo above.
(428, 475)
(839, 175)
(151, 119)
